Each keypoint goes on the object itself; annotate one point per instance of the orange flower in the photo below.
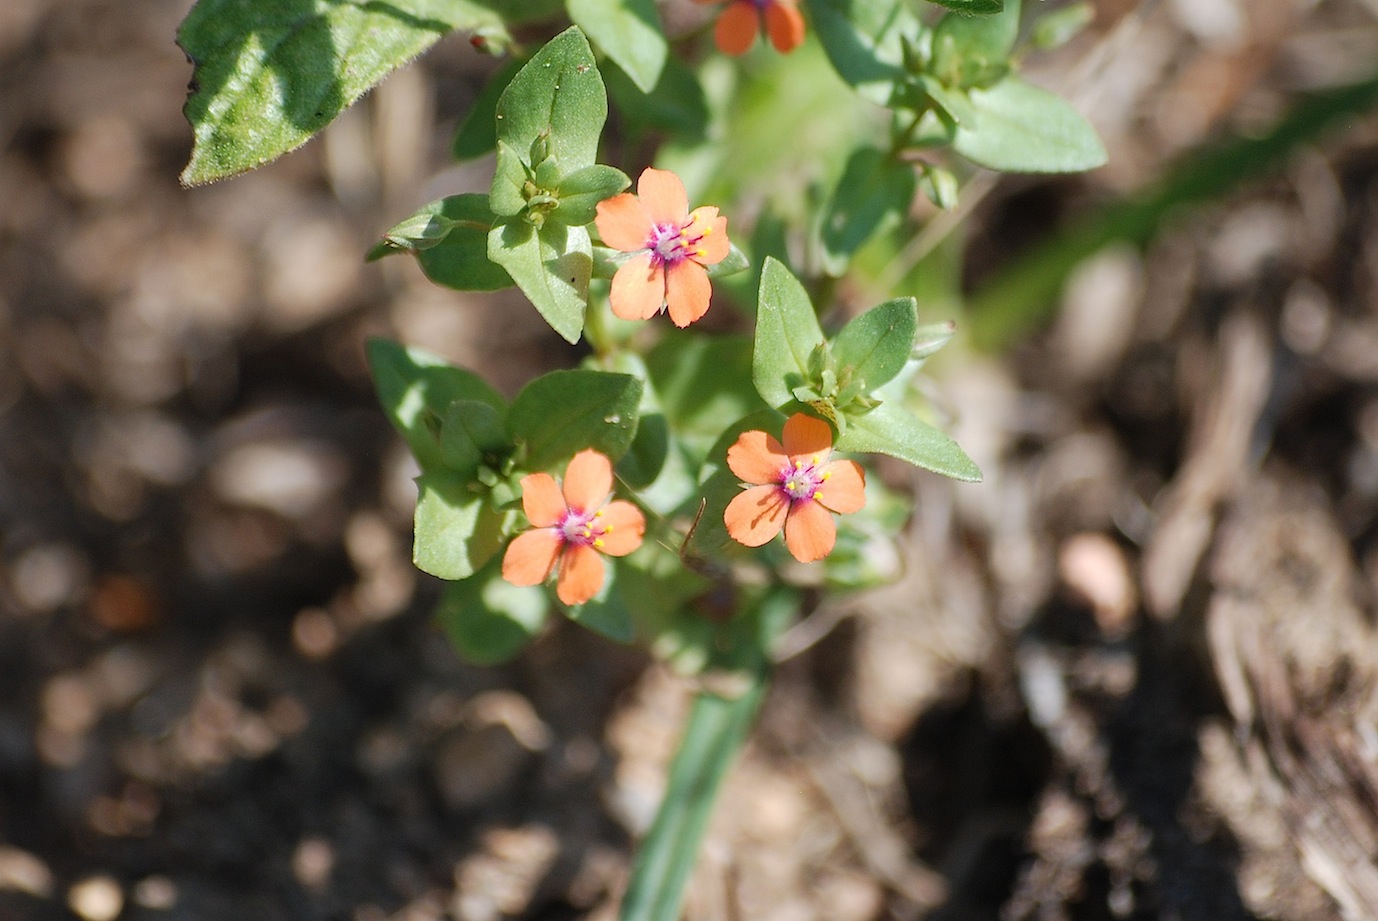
(572, 528)
(672, 246)
(787, 488)
(739, 24)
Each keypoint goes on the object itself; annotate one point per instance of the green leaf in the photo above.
(470, 432)
(558, 93)
(735, 261)
(973, 7)
(416, 389)
(478, 133)
(506, 196)
(457, 531)
(605, 613)
(701, 380)
(863, 40)
(787, 332)
(629, 32)
(450, 241)
(552, 267)
(931, 337)
(939, 185)
(1021, 128)
(890, 430)
(563, 412)
(974, 50)
(269, 75)
(676, 105)
(489, 620)
(876, 344)
(581, 191)
(874, 193)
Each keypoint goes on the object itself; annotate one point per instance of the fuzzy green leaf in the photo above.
(874, 193)
(270, 75)
(558, 94)
(457, 531)
(489, 620)
(787, 332)
(876, 344)
(1022, 128)
(563, 412)
(552, 266)
(890, 430)
(416, 389)
(628, 31)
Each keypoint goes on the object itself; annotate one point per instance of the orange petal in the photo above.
(810, 531)
(663, 195)
(757, 458)
(807, 437)
(531, 556)
(541, 500)
(638, 289)
(623, 223)
(713, 245)
(581, 575)
(588, 481)
(735, 32)
(687, 291)
(756, 515)
(785, 26)
(623, 527)
(844, 487)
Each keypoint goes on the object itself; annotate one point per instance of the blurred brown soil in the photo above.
(1132, 675)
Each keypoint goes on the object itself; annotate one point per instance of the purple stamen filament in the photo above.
(670, 244)
(583, 529)
(802, 479)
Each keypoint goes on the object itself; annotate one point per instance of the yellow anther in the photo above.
(598, 543)
(700, 252)
(816, 494)
(827, 474)
(598, 514)
(607, 528)
(707, 230)
(815, 459)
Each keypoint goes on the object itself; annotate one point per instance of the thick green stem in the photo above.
(717, 728)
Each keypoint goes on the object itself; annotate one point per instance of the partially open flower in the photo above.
(792, 487)
(739, 25)
(574, 526)
(672, 246)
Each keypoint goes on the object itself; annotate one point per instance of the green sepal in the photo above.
(563, 412)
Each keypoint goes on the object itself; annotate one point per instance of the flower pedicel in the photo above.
(574, 527)
(792, 487)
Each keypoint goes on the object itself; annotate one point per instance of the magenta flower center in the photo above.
(669, 243)
(802, 479)
(583, 529)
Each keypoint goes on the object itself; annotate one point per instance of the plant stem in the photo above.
(717, 728)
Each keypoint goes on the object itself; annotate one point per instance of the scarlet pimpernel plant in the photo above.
(647, 480)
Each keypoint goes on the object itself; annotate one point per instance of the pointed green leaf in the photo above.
(629, 32)
(787, 332)
(887, 429)
(563, 412)
(489, 620)
(874, 193)
(558, 93)
(270, 75)
(862, 39)
(450, 241)
(478, 133)
(416, 389)
(1022, 128)
(876, 344)
(507, 195)
(551, 266)
(470, 432)
(457, 531)
(581, 191)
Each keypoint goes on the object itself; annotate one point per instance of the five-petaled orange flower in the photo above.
(572, 528)
(792, 486)
(739, 24)
(672, 247)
